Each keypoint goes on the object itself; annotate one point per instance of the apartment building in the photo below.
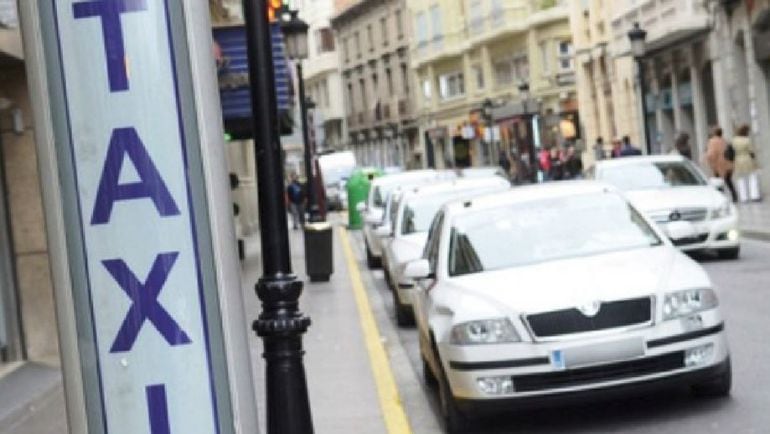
(606, 84)
(493, 75)
(373, 38)
(321, 71)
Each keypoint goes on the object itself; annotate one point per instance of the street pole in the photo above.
(312, 204)
(643, 90)
(281, 324)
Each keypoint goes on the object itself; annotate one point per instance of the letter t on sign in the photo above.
(112, 31)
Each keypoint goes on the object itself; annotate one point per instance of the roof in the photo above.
(529, 193)
(455, 185)
(627, 161)
(404, 177)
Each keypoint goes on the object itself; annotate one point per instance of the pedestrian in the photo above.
(682, 145)
(573, 164)
(504, 162)
(556, 172)
(544, 161)
(296, 196)
(599, 149)
(629, 150)
(745, 172)
(616, 147)
(718, 159)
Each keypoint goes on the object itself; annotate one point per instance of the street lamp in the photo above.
(637, 37)
(280, 324)
(524, 92)
(295, 37)
(486, 112)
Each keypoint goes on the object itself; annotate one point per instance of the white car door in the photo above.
(422, 300)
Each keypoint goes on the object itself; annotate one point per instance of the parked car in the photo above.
(560, 292)
(335, 169)
(677, 196)
(374, 208)
(408, 229)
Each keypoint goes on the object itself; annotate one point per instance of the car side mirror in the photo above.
(417, 269)
(717, 183)
(384, 230)
(361, 207)
(679, 230)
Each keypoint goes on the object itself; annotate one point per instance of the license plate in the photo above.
(597, 353)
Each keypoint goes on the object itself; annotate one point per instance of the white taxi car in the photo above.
(558, 292)
(408, 229)
(373, 210)
(676, 195)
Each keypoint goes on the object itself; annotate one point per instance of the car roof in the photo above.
(528, 193)
(455, 184)
(400, 177)
(629, 161)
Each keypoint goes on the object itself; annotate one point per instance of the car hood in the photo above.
(574, 282)
(679, 198)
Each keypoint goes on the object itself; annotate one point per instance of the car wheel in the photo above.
(731, 253)
(455, 421)
(428, 377)
(716, 387)
(371, 262)
(404, 313)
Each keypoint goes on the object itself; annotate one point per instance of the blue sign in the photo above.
(234, 71)
(143, 268)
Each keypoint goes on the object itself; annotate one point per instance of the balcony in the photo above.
(666, 22)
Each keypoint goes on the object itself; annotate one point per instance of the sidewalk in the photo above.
(754, 220)
(341, 380)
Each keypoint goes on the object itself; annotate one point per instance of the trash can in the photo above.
(319, 260)
(358, 191)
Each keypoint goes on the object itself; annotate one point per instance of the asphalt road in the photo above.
(745, 286)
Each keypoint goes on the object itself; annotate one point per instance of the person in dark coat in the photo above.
(629, 150)
(573, 164)
(296, 196)
(682, 145)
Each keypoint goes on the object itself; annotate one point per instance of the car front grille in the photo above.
(600, 373)
(685, 214)
(610, 315)
(691, 240)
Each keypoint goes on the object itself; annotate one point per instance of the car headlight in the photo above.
(491, 331)
(682, 303)
(725, 210)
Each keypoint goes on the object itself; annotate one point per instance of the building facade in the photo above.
(29, 351)
(373, 38)
(323, 81)
(493, 76)
(606, 84)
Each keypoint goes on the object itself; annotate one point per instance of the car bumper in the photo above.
(712, 234)
(536, 374)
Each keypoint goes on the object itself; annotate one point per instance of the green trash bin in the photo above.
(358, 191)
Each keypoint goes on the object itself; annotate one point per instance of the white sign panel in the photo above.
(143, 265)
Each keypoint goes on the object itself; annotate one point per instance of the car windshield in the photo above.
(545, 230)
(378, 197)
(419, 212)
(649, 175)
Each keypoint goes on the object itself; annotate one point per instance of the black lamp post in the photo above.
(280, 324)
(295, 36)
(637, 36)
(486, 113)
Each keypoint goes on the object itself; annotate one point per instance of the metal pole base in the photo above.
(281, 326)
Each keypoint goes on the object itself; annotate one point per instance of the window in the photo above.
(511, 70)
(389, 79)
(421, 28)
(544, 57)
(357, 37)
(351, 99)
(346, 49)
(451, 85)
(375, 86)
(435, 22)
(324, 40)
(478, 73)
(362, 86)
(565, 56)
(399, 24)
(476, 17)
(325, 92)
(370, 37)
(427, 91)
(521, 67)
(384, 29)
(405, 78)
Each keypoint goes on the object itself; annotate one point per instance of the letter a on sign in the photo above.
(126, 142)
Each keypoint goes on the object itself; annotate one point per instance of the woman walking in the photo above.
(745, 165)
(718, 161)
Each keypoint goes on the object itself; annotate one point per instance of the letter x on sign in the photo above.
(145, 306)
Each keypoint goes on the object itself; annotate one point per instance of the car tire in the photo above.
(371, 261)
(731, 253)
(717, 387)
(404, 313)
(455, 422)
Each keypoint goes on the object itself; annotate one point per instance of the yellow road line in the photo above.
(390, 401)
